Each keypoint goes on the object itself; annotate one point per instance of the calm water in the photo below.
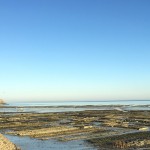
(82, 103)
(26, 143)
(90, 105)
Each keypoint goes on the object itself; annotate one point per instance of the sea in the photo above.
(65, 106)
(82, 103)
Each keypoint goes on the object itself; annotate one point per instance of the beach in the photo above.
(93, 126)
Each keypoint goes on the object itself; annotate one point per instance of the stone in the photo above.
(144, 129)
(5, 144)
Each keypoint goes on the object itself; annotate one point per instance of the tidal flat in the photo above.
(86, 129)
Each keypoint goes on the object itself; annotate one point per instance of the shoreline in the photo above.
(91, 126)
(6, 144)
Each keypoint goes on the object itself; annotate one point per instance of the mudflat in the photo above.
(104, 129)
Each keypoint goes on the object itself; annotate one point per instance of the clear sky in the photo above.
(74, 49)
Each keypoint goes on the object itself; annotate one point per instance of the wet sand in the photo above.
(103, 129)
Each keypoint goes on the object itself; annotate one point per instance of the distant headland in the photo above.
(2, 101)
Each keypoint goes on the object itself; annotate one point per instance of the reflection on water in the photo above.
(26, 143)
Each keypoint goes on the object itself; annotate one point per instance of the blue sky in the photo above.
(74, 49)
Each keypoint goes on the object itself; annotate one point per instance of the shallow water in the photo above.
(26, 143)
(42, 109)
(82, 103)
(80, 106)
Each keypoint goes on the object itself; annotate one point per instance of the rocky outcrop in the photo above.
(5, 144)
(144, 129)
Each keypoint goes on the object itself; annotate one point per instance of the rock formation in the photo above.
(5, 144)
